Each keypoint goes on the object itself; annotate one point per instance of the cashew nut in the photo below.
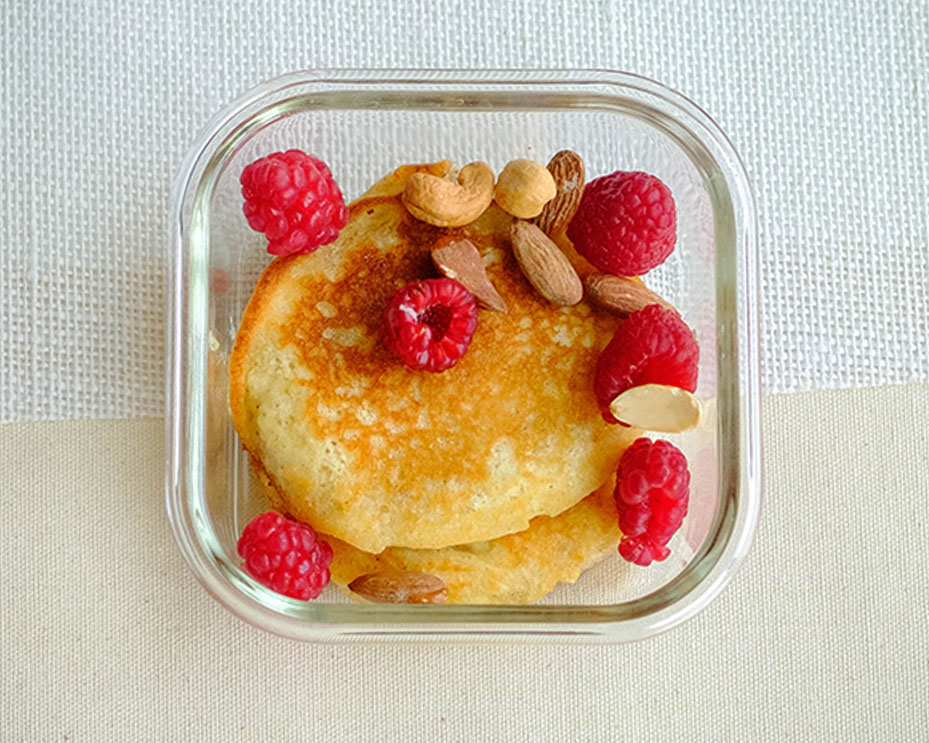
(444, 203)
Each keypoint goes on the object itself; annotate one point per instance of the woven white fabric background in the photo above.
(100, 99)
(820, 638)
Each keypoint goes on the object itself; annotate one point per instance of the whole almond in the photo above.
(567, 168)
(400, 587)
(457, 258)
(621, 295)
(544, 265)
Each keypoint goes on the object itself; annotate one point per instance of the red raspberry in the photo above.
(652, 490)
(292, 198)
(626, 223)
(429, 324)
(651, 346)
(286, 556)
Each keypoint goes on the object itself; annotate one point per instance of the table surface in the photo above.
(822, 635)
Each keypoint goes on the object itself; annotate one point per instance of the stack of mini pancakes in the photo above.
(495, 475)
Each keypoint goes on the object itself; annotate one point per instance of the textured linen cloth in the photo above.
(826, 102)
(821, 637)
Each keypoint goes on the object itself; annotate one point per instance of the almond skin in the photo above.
(400, 587)
(457, 258)
(621, 295)
(544, 265)
(567, 168)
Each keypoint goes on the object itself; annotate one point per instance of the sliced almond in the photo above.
(567, 168)
(621, 295)
(657, 407)
(400, 587)
(544, 265)
(457, 258)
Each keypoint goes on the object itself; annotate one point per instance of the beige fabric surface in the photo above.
(822, 636)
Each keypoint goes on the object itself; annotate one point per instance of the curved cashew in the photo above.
(444, 203)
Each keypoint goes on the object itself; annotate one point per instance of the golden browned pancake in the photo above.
(513, 569)
(364, 449)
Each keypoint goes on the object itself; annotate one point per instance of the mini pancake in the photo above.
(364, 449)
(514, 569)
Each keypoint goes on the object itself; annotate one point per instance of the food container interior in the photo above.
(364, 126)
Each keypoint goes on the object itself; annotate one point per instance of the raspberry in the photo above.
(626, 223)
(429, 324)
(292, 198)
(652, 490)
(651, 346)
(286, 556)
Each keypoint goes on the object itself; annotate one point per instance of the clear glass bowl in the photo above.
(364, 123)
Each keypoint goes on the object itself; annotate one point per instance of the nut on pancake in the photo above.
(365, 450)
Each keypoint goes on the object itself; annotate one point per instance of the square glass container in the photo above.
(365, 123)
